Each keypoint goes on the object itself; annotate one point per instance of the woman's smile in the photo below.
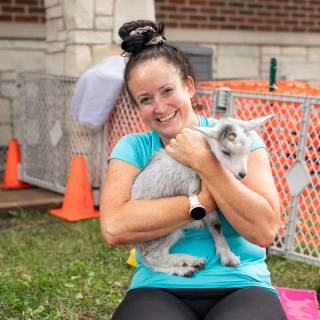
(168, 117)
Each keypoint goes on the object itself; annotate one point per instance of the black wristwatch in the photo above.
(197, 211)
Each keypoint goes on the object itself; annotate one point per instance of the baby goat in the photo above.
(230, 142)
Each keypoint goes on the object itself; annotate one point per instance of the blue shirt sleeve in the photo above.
(257, 142)
(126, 150)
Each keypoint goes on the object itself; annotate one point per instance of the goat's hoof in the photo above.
(231, 261)
(199, 266)
(189, 273)
(186, 272)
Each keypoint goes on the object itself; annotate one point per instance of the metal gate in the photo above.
(51, 137)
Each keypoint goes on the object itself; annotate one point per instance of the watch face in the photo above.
(198, 213)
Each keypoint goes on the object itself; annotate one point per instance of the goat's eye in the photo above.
(226, 153)
(232, 137)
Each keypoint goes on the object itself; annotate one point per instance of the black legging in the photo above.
(252, 303)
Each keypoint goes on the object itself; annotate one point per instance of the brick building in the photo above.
(68, 36)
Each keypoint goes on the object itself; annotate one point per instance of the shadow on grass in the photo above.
(7, 221)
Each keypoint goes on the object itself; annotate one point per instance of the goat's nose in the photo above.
(242, 175)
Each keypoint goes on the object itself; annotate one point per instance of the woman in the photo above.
(160, 82)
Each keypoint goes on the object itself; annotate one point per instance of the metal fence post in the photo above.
(23, 120)
(273, 74)
(221, 103)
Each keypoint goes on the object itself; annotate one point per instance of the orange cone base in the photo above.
(78, 198)
(76, 215)
(15, 186)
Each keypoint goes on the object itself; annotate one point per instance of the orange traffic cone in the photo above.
(78, 198)
(10, 178)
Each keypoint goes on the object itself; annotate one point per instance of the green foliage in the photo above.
(52, 269)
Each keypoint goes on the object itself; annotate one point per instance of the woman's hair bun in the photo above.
(137, 34)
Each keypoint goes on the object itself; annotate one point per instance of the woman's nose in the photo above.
(160, 105)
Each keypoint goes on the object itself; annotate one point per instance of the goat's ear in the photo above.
(255, 123)
(210, 132)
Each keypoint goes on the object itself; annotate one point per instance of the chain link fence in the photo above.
(9, 116)
(51, 137)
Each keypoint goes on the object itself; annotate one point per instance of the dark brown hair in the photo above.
(136, 47)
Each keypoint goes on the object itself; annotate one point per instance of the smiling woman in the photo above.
(163, 98)
(160, 82)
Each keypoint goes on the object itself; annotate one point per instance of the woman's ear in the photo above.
(190, 86)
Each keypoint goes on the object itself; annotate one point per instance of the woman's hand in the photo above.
(190, 148)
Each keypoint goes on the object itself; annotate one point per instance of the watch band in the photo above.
(194, 201)
(197, 211)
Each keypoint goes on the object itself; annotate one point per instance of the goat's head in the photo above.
(230, 141)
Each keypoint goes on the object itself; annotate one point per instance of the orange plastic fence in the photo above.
(283, 145)
(283, 86)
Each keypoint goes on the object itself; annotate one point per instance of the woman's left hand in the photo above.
(190, 148)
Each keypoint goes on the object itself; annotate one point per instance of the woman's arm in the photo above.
(252, 205)
(127, 221)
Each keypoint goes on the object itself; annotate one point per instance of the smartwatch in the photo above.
(197, 211)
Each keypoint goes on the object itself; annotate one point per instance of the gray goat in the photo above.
(230, 142)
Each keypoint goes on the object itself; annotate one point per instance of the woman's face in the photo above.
(163, 98)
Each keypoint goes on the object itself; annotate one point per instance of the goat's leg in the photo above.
(156, 255)
(227, 257)
(176, 264)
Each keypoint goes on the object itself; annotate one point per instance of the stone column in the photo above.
(80, 33)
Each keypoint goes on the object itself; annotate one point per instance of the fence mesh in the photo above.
(123, 119)
(307, 224)
(51, 136)
(9, 116)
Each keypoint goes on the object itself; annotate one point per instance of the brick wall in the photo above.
(260, 15)
(22, 11)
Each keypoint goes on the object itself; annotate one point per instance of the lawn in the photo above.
(52, 269)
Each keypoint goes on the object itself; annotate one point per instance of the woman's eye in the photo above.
(145, 100)
(167, 91)
(226, 153)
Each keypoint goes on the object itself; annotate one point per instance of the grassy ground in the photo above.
(52, 269)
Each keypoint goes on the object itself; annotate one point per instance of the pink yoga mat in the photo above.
(299, 304)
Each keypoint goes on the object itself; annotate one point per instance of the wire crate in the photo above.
(51, 137)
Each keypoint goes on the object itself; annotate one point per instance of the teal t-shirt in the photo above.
(137, 149)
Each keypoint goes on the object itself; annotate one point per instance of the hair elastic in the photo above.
(153, 41)
(141, 30)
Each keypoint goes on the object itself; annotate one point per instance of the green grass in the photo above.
(52, 269)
